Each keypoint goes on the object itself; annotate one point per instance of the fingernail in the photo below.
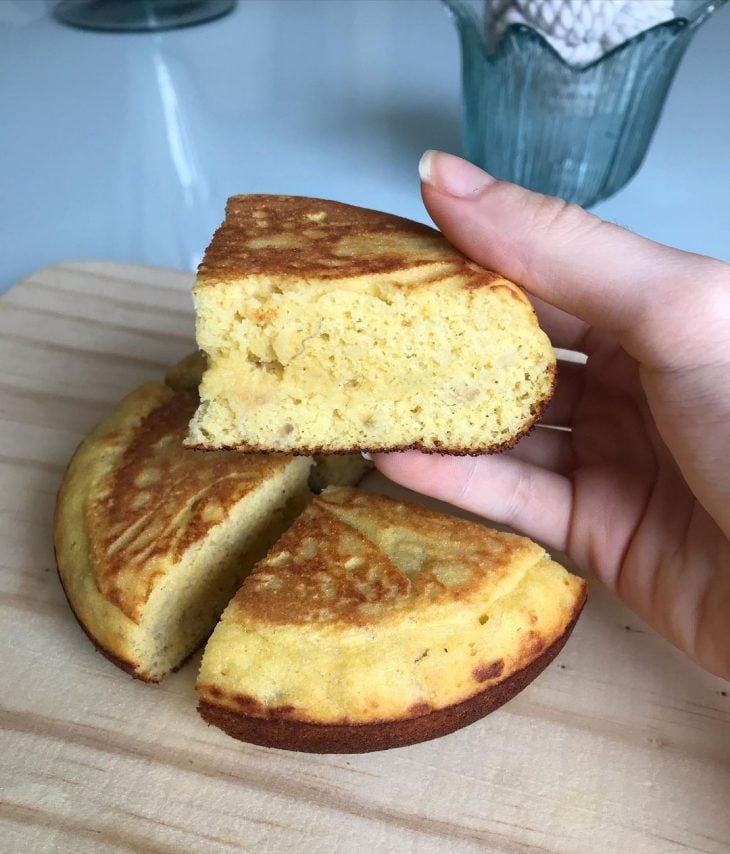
(452, 175)
(365, 455)
(424, 166)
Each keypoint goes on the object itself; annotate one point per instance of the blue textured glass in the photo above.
(578, 132)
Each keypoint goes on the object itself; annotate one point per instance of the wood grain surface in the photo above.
(621, 745)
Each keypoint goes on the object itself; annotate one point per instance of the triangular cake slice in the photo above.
(335, 329)
(152, 539)
(373, 624)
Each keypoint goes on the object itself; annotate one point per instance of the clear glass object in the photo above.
(139, 15)
(578, 132)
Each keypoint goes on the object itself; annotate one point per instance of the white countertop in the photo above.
(126, 146)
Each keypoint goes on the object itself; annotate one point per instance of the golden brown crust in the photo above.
(383, 735)
(332, 567)
(159, 499)
(131, 503)
(302, 237)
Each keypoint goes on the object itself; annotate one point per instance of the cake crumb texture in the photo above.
(329, 328)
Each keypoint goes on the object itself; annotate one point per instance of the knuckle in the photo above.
(520, 496)
(563, 220)
(717, 273)
(715, 277)
(466, 482)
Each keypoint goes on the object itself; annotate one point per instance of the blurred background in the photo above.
(125, 146)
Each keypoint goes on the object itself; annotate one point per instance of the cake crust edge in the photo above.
(287, 734)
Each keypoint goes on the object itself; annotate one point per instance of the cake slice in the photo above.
(152, 539)
(373, 624)
(328, 470)
(331, 329)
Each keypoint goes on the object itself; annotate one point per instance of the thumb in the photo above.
(598, 272)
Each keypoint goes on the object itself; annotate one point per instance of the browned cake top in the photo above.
(354, 557)
(156, 499)
(299, 236)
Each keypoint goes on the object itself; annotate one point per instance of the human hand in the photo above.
(638, 491)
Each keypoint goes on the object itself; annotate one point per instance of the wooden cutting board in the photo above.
(621, 745)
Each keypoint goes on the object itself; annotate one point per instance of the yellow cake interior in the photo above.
(327, 469)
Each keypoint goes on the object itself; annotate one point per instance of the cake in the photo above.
(332, 329)
(328, 470)
(152, 539)
(186, 374)
(373, 623)
(337, 470)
